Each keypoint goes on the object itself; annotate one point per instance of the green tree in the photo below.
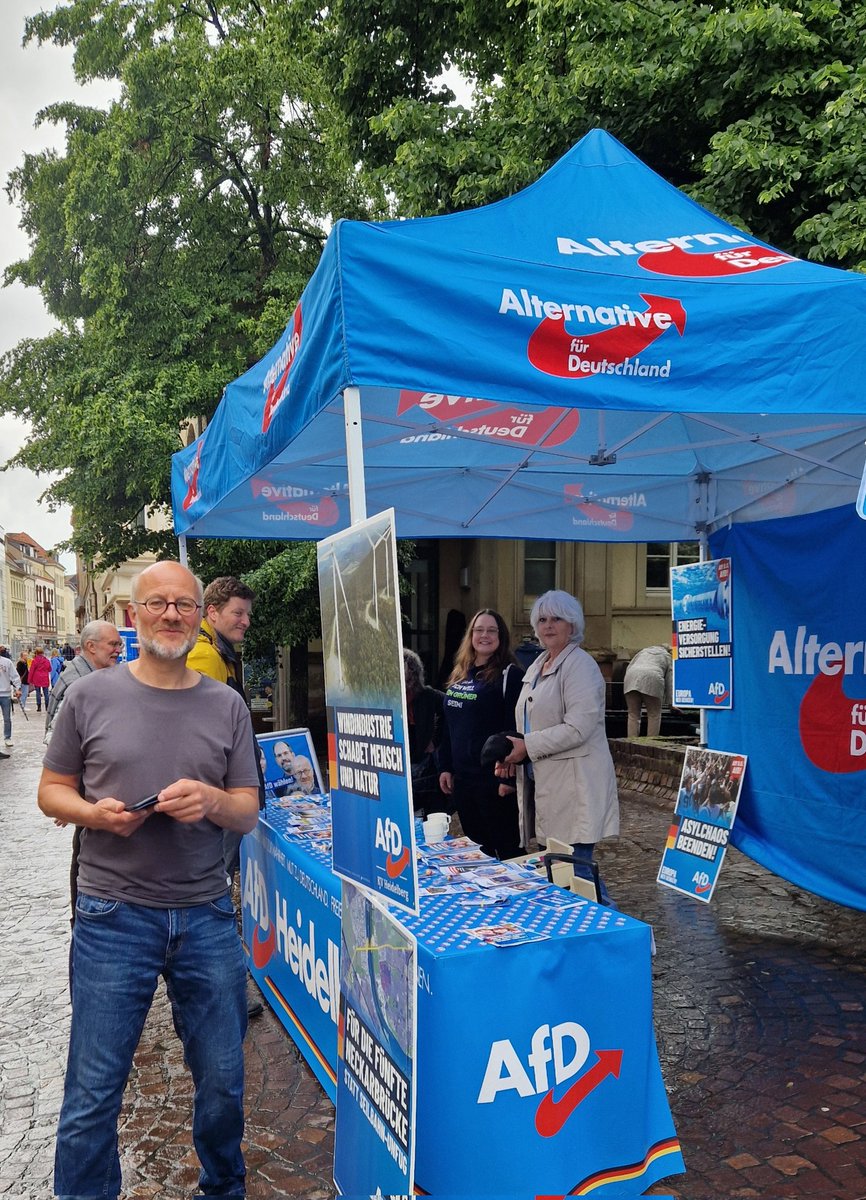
(170, 239)
(755, 108)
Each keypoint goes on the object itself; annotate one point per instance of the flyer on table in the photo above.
(704, 815)
(374, 1143)
(365, 694)
(702, 642)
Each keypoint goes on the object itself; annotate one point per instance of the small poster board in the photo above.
(707, 802)
(374, 1136)
(702, 634)
(289, 763)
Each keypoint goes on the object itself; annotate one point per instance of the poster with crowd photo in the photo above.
(702, 641)
(374, 1135)
(365, 695)
(704, 815)
(289, 764)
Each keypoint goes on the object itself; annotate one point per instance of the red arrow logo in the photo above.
(277, 389)
(192, 492)
(741, 261)
(396, 866)
(568, 356)
(620, 519)
(826, 729)
(552, 1114)
(322, 511)
(532, 427)
(262, 950)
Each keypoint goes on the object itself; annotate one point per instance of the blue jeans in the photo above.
(6, 709)
(41, 694)
(119, 950)
(22, 699)
(583, 852)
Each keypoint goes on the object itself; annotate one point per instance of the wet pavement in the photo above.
(759, 1008)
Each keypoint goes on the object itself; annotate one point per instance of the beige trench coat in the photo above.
(562, 717)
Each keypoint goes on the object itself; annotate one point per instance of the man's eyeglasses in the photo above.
(156, 605)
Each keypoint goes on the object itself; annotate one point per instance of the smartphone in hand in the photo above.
(147, 802)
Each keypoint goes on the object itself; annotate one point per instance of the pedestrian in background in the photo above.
(8, 688)
(23, 685)
(647, 685)
(424, 714)
(58, 662)
(39, 677)
(153, 899)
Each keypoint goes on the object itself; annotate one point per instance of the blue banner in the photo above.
(702, 642)
(800, 713)
(291, 930)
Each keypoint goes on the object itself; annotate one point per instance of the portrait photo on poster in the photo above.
(289, 764)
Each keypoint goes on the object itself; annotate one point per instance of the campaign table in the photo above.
(537, 1070)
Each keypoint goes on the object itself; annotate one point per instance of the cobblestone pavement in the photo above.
(759, 1007)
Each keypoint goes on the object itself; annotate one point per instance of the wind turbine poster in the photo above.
(365, 695)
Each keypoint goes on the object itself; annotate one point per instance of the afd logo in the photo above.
(294, 943)
(277, 379)
(693, 255)
(190, 478)
(561, 1050)
(390, 839)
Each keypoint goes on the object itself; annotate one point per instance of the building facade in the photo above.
(39, 605)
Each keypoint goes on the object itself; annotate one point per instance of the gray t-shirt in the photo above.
(127, 740)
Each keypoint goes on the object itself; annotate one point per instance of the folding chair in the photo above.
(590, 888)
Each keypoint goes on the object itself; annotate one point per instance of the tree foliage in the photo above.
(755, 108)
(170, 239)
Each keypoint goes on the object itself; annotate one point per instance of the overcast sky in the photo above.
(29, 80)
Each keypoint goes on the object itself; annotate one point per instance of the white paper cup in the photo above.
(436, 827)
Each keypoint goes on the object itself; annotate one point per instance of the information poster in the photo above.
(289, 764)
(376, 1043)
(702, 642)
(368, 759)
(129, 637)
(704, 815)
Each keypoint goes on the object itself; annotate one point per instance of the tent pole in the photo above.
(181, 550)
(703, 556)
(355, 454)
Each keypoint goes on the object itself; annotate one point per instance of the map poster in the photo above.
(702, 642)
(365, 695)
(706, 806)
(374, 1146)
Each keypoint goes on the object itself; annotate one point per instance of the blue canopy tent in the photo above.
(596, 358)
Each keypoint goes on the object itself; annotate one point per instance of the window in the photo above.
(661, 556)
(539, 570)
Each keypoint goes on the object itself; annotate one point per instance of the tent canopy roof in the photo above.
(594, 358)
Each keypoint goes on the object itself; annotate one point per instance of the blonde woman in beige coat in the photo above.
(560, 711)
